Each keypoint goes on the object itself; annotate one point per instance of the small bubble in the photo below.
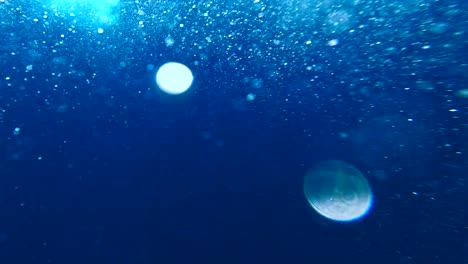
(150, 67)
(333, 42)
(169, 41)
(463, 93)
(250, 97)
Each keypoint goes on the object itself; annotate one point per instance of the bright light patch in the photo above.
(86, 12)
(174, 78)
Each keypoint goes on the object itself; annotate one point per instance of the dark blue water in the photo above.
(100, 166)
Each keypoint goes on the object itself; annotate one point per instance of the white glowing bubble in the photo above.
(174, 78)
(333, 42)
(338, 191)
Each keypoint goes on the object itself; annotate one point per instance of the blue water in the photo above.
(97, 165)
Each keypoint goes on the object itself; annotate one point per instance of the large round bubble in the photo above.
(337, 190)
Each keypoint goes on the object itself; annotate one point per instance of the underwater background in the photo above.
(99, 165)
